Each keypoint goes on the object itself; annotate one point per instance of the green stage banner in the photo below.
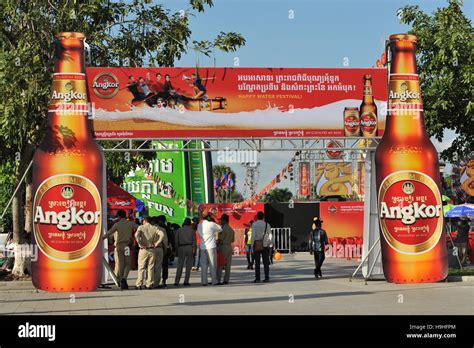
(197, 173)
(161, 184)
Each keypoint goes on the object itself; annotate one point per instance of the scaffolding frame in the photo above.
(348, 144)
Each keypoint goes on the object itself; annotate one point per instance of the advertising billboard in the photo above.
(230, 102)
(198, 180)
(344, 224)
(238, 219)
(161, 185)
(333, 178)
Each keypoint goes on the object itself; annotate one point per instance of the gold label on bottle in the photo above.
(67, 217)
(69, 93)
(404, 93)
(410, 212)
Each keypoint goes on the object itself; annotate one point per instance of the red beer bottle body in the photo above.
(408, 179)
(67, 181)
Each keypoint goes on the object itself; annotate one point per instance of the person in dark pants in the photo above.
(248, 245)
(261, 233)
(318, 240)
(185, 239)
(161, 221)
(463, 239)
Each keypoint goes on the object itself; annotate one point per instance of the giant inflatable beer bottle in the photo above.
(408, 179)
(67, 181)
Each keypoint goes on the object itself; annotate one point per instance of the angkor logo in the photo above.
(105, 85)
(67, 192)
(408, 188)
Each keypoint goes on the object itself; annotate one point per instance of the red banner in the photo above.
(344, 225)
(228, 102)
(304, 182)
(238, 219)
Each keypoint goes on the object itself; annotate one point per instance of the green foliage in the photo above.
(7, 180)
(278, 195)
(445, 64)
(138, 32)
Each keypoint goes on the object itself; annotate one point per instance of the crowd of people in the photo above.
(199, 244)
(163, 93)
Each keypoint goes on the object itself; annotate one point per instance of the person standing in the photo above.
(197, 252)
(318, 241)
(148, 240)
(167, 250)
(185, 240)
(248, 245)
(123, 236)
(462, 240)
(161, 246)
(206, 230)
(261, 240)
(224, 246)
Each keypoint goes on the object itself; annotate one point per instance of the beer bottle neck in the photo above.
(69, 56)
(68, 111)
(368, 97)
(405, 118)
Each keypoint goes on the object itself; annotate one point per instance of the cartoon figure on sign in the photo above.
(467, 178)
(337, 176)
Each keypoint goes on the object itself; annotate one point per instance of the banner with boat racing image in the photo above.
(228, 102)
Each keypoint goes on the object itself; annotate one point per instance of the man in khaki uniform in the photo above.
(185, 241)
(224, 246)
(123, 234)
(148, 238)
(162, 245)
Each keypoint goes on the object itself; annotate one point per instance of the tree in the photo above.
(278, 195)
(445, 65)
(119, 33)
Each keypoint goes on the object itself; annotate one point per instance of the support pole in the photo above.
(365, 258)
(373, 265)
(454, 246)
(16, 190)
(112, 274)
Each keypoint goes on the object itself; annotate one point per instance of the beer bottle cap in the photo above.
(70, 35)
(403, 37)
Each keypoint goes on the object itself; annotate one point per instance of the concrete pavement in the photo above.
(292, 290)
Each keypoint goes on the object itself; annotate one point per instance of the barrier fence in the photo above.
(282, 238)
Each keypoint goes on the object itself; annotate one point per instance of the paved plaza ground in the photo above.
(292, 290)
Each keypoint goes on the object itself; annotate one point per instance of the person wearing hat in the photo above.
(185, 241)
(224, 246)
(318, 240)
(206, 229)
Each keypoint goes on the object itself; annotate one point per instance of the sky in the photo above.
(300, 33)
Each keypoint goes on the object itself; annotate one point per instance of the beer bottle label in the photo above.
(410, 212)
(404, 93)
(105, 85)
(69, 92)
(368, 122)
(351, 123)
(367, 90)
(67, 217)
